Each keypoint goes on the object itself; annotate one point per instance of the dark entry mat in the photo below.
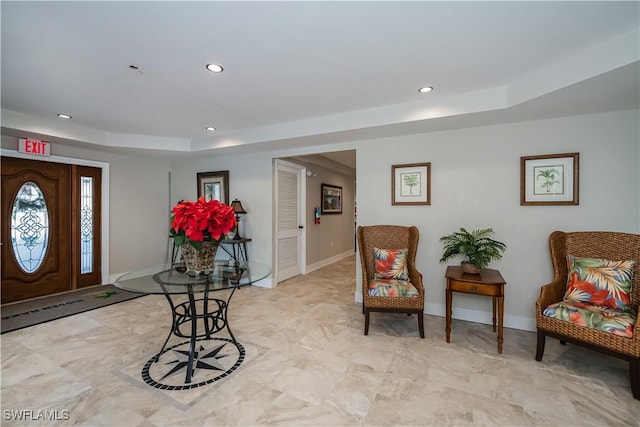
(40, 310)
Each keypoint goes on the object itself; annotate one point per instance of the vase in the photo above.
(199, 262)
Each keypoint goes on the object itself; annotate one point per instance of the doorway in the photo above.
(51, 228)
(289, 248)
(329, 238)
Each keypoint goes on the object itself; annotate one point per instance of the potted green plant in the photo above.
(478, 248)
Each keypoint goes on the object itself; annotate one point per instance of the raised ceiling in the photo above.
(305, 73)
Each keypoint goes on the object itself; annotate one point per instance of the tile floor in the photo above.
(307, 362)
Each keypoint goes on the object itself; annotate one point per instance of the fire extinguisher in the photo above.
(316, 215)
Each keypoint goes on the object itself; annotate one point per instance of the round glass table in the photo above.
(197, 318)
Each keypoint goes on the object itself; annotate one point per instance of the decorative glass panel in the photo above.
(29, 227)
(86, 224)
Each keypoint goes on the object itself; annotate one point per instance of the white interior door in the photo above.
(289, 220)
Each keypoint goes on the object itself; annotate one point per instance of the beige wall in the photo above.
(334, 236)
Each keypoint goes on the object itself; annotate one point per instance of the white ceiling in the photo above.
(305, 73)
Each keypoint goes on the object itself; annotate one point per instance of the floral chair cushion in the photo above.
(391, 264)
(392, 288)
(606, 319)
(599, 282)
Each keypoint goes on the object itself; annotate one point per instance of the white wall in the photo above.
(139, 212)
(249, 181)
(475, 183)
(138, 204)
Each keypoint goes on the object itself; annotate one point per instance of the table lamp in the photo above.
(238, 210)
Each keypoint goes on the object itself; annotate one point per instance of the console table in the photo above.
(238, 248)
(201, 315)
(488, 282)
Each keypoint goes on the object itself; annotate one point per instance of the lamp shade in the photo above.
(237, 207)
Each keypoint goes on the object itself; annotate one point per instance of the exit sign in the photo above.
(33, 146)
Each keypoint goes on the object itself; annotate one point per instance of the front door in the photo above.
(50, 228)
(36, 218)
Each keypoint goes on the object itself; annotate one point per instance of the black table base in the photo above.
(208, 350)
(212, 317)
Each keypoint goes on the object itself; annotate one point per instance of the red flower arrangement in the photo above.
(195, 222)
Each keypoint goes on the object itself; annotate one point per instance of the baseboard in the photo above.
(264, 283)
(515, 322)
(325, 262)
(485, 317)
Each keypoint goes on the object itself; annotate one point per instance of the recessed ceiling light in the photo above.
(211, 128)
(64, 116)
(214, 68)
(425, 89)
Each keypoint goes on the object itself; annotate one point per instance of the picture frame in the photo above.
(214, 186)
(331, 202)
(550, 179)
(411, 184)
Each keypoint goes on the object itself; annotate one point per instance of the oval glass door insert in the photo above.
(29, 227)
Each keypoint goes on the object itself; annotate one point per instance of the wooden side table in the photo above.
(488, 282)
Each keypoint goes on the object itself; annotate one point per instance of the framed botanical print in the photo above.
(214, 186)
(549, 179)
(411, 184)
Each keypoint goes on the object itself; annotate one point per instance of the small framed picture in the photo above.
(550, 179)
(411, 184)
(331, 199)
(214, 186)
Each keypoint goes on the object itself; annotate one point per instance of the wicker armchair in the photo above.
(592, 244)
(390, 237)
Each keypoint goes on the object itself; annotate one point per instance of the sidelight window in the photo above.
(86, 224)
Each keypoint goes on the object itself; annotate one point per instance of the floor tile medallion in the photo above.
(213, 360)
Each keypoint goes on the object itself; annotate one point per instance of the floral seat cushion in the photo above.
(618, 322)
(391, 263)
(599, 282)
(392, 288)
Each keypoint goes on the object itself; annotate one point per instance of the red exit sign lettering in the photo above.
(32, 146)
